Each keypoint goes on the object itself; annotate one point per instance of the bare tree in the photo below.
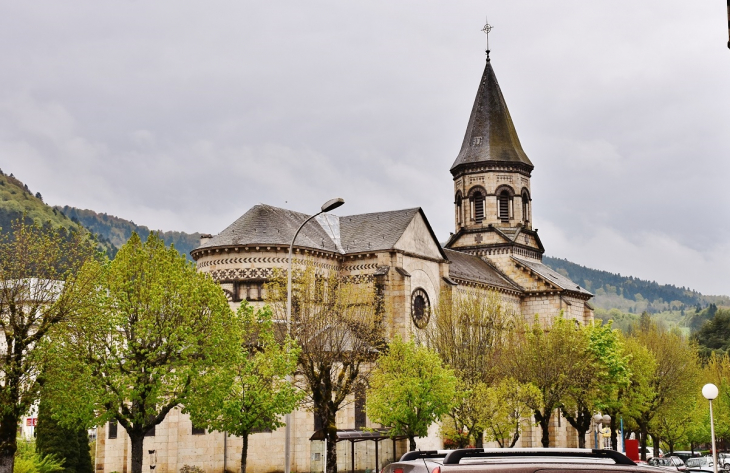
(469, 331)
(336, 325)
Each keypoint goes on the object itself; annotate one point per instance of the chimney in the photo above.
(204, 237)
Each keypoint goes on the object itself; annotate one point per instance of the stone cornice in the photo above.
(491, 166)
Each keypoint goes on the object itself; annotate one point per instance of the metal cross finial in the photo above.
(487, 28)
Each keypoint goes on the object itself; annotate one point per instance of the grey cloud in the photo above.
(182, 116)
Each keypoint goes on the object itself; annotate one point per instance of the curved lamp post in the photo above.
(326, 207)
(710, 392)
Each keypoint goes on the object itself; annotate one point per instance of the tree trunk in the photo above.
(412, 444)
(581, 423)
(655, 441)
(544, 420)
(644, 434)
(8, 442)
(479, 440)
(244, 453)
(515, 438)
(137, 441)
(331, 434)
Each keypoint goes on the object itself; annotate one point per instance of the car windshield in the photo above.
(697, 462)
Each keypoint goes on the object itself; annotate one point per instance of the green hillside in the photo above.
(623, 298)
(18, 201)
(118, 230)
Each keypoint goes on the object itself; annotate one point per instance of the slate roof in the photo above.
(490, 134)
(374, 231)
(473, 268)
(552, 276)
(267, 225)
(264, 224)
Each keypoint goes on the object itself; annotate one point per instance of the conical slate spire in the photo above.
(490, 135)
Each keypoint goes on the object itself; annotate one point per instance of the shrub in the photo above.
(28, 461)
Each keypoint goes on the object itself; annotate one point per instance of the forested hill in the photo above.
(18, 201)
(630, 294)
(118, 230)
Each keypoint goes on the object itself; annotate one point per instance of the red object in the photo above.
(436, 470)
(632, 449)
(31, 421)
(397, 470)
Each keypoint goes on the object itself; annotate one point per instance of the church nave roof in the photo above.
(472, 268)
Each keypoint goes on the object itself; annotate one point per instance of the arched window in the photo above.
(478, 207)
(457, 201)
(525, 206)
(504, 205)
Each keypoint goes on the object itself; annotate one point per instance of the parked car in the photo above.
(686, 454)
(672, 462)
(723, 460)
(702, 464)
(518, 460)
(422, 461)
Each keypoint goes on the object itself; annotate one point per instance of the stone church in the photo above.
(494, 247)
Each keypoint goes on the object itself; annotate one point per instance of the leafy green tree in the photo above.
(596, 387)
(636, 397)
(68, 444)
(675, 377)
(552, 360)
(259, 391)
(150, 338)
(410, 389)
(336, 323)
(673, 424)
(39, 288)
(504, 407)
(716, 371)
(85, 464)
(469, 331)
(714, 334)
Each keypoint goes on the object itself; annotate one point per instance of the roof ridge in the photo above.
(413, 209)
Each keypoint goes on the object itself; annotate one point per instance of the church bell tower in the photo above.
(492, 195)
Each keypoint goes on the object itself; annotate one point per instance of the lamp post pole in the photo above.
(710, 392)
(326, 207)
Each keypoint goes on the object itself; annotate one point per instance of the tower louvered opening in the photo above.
(504, 199)
(478, 207)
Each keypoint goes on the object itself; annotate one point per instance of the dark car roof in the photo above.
(525, 460)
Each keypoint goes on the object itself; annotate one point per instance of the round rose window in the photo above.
(420, 308)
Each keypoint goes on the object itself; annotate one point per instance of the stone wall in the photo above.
(490, 182)
(175, 446)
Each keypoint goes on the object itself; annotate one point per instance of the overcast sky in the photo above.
(182, 115)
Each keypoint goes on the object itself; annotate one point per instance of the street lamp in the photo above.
(710, 392)
(326, 207)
